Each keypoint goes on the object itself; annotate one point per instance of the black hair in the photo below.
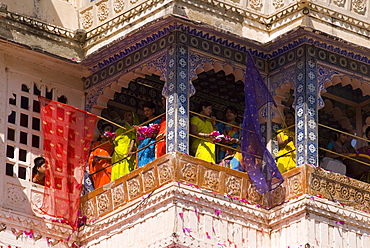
(337, 132)
(232, 109)
(39, 161)
(105, 125)
(203, 104)
(289, 111)
(367, 130)
(149, 104)
(235, 112)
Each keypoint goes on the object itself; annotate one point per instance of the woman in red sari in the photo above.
(100, 157)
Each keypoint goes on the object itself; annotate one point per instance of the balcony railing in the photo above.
(182, 168)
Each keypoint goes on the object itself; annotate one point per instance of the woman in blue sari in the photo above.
(148, 154)
(229, 157)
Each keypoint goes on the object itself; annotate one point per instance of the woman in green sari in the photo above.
(124, 146)
(203, 127)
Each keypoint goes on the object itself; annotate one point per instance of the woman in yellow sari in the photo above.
(203, 127)
(124, 146)
(286, 138)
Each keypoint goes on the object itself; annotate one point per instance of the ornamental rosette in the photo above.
(87, 19)
(359, 6)
(118, 5)
(278, 3)
(256, 4)
(103, 11)
(339, 2)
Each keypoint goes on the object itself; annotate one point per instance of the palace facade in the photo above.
(110, 55)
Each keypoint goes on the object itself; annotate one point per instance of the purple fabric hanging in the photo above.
(257, 160)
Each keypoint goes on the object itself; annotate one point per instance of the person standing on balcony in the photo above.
(160, 148)
(334, 162)
(100, 157)
(38, 171)
(148, 153)
(202, 127)
(286, 138)
(365, 149)
(123, 158)
(229, 157)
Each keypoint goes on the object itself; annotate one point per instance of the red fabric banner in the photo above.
(68, 133)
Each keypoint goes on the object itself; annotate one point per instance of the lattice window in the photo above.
(23, 135)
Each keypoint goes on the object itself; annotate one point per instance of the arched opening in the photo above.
(346, 109)
(220, 88)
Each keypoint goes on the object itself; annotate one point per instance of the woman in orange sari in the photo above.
(100, 157)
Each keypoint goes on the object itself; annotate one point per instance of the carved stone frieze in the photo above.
(295, 185)
(148, 180)
(36, 202)
(278, 3)
(340, 189)
(118, 5)
(103, 202)
(359, 6)
(339, 2)
(304, 179)
(189, 173)
(103, 11)
(15, 196)
(88, 208)
(211, 179)
(87, 19)
(252, 194)
(256, 4)
(133, 187)
(165, 172)
(118, 194)
(278, 195)
(233, 186)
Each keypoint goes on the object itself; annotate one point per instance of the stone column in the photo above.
(306, 106)
(177, 104)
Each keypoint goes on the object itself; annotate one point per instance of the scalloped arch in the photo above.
(337, 113)
(122, 81)
(217, 66)
(346, 80)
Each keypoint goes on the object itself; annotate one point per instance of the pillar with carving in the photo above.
(176, 91)
(306, 106)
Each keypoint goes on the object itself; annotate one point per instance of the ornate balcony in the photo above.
(184, 169)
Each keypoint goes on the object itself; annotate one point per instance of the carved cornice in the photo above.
(354, 22)
(39, 225)
(40, 25)
(118, 20)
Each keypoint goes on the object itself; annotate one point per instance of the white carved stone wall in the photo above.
(191, 217)
(20, 199)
